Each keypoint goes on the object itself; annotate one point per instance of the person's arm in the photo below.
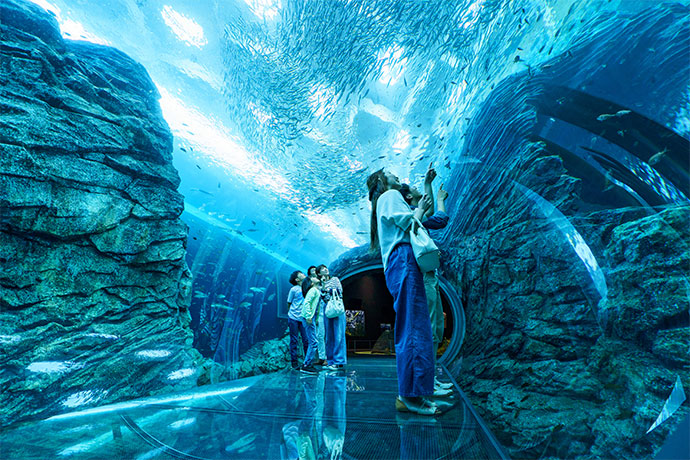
(442, 195)
(338, 285)
(437, 221)
(291, 298)
(428, 190)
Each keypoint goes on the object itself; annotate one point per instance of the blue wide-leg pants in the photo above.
(413, 342)
(336, 343)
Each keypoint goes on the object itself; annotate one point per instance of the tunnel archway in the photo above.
(364, 289)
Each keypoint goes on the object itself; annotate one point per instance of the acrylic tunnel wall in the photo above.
(165, 166)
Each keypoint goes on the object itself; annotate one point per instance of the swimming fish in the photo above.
(657, 157)
(606, 116)
(257, 290)
(271, 297)
(201, 191)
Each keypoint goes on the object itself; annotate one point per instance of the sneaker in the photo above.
(440, 392)
(443, 386)
(418, 405)
(308, 370)
(332, 367)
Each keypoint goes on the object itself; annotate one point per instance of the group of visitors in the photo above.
(316, 313)
(397, 210)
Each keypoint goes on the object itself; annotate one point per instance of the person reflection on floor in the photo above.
(335, 418)
(321, 433)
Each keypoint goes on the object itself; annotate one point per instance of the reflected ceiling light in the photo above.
(393, 65)
(186, 29)
(180, 374)
(212, 138)
(9, 339)
(83, 397)
(331, 226)
(103, 336)
(145, 402)
(50, 367)
(575, 240)
(379, 111)
(471, 15)
(319, 100)
(182, 423)
(70, 29)
(401, 141)
(153, 353)
(264, 9)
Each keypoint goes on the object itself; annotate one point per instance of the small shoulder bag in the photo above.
(335, 306)
(425, 250)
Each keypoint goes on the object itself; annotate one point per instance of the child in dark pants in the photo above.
(295, 320)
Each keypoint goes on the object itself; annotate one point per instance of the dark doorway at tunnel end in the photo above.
(371, 316)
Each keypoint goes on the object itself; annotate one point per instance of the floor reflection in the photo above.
(286, 415)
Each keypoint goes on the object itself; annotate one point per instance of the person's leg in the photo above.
(293, 327)
(303, 332)
(311, 338)
(339, 340)
(413, 343)
(328, 326)
(321, 335)
(433, 297)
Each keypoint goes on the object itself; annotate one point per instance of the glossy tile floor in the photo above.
(287, 415)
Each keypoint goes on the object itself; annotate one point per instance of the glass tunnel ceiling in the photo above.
(280, 110)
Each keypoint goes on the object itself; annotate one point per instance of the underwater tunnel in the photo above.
(166, 166)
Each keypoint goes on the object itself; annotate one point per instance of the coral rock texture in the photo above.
(94, 288)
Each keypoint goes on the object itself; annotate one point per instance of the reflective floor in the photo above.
(286, 415)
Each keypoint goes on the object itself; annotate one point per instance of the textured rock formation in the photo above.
(576, 296)
(263, 357)
(94, 288)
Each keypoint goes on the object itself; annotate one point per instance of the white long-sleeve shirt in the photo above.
(394, 218)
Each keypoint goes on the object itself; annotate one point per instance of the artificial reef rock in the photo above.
(573, 266)
(94, 288)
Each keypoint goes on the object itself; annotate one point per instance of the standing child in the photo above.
(296, 323)
(310, 313)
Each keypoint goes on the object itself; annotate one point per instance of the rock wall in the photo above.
(576, 289)
(94, 288)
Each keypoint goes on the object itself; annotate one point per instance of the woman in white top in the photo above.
(391, 218)
(336, 344)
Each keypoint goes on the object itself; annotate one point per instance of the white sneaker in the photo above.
(444, 386)
(440, 392)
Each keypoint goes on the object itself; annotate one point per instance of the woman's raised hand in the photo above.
(430, 174)
(425, 203)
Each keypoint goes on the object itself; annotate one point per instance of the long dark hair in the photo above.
(376, 183)
(306, 285)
